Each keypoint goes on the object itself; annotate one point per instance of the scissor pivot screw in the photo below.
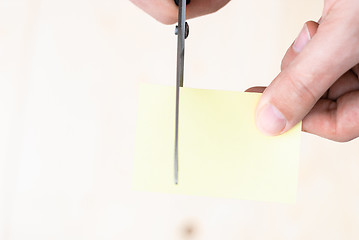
(186, 30)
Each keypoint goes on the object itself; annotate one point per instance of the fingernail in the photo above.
(302, 39)
(270, 120)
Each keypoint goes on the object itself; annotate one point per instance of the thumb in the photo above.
(320, 62)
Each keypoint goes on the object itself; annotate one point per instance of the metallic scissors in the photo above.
(182, 31)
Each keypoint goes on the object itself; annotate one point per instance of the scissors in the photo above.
(182, 31)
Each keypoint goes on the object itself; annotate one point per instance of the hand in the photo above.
(319, 81)
(166, 11)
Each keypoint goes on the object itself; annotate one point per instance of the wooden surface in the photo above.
(68, 76)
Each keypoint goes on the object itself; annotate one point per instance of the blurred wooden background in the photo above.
(68, 76)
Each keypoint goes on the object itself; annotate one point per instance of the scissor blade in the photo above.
(181, 31)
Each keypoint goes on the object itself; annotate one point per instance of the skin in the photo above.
(318, 83)
(166, 11)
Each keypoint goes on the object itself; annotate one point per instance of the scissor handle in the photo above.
(187, 2)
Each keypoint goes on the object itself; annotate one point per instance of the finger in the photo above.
(345, 84)
(330, 53)
(349, 82)
(335, 120)
(203, 7)
(164, 11)
(309, 30)
(356, 70)
(256, 89)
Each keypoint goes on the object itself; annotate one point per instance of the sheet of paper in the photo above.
(221, 152)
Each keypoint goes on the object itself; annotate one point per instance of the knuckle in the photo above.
(215, 5)
(342, 137)
(301, 89)
(347, 127)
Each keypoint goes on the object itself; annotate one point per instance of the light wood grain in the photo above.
(68, 77)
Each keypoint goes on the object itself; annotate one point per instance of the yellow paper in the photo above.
(221, 152)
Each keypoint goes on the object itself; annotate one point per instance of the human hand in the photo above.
(319, 81)
(166, 11)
